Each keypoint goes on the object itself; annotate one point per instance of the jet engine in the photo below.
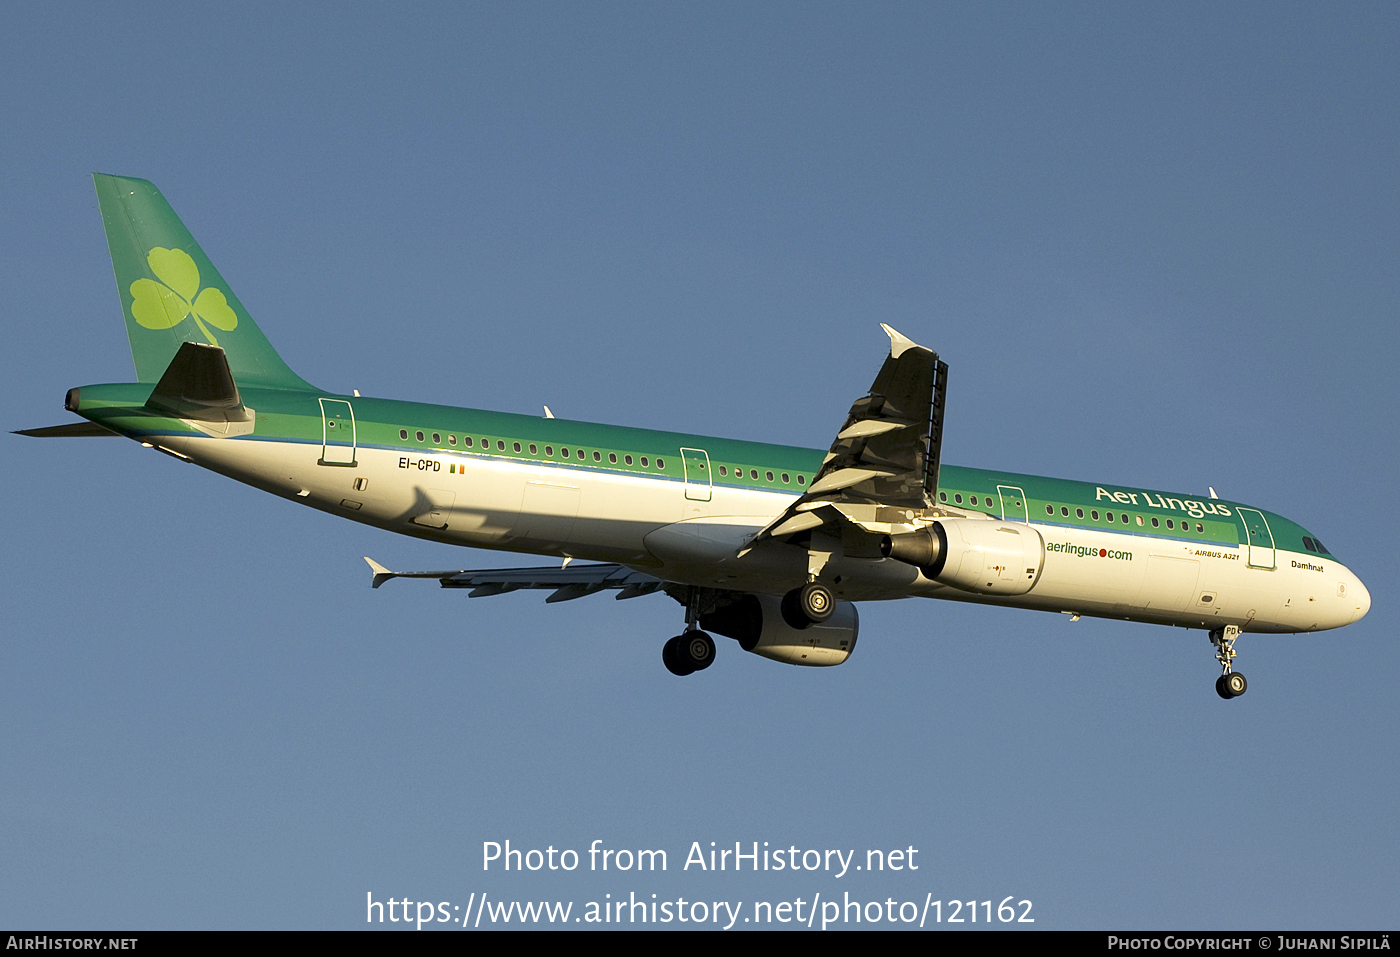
(756, 622)
(986, 557)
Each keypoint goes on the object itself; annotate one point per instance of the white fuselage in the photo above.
(655, 524)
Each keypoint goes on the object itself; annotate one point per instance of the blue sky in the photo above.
(1156, 245)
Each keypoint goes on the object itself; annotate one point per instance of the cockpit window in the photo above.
(1308, 544)
(1321, 547)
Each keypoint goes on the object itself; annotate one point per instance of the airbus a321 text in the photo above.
(770, 545)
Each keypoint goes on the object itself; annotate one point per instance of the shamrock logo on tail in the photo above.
(165, 304)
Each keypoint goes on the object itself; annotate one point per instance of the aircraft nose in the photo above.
(1361, 597)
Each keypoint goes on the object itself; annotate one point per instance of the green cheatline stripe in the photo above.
(289, 416)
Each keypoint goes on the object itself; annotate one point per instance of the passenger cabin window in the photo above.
(612, 458)
(661, 463)
(403, 433)
(437, 439)
(627, 459)
(801, 480)
(452, 440)
(467, 441)
(419, 436)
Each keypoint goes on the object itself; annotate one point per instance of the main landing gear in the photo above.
(1231, 683)
(808, 605)
(693, 650)
(688, 653)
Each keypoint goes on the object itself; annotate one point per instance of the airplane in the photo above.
(770, 545)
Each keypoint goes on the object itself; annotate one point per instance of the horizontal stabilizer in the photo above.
(198, 385)
(72, 430)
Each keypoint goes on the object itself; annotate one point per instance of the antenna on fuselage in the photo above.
(548, 414)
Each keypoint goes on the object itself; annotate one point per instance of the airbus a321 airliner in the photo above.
(770, 545)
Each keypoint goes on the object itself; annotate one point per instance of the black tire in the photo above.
(1221, 690)
(1235, 684)
(792, 611)
(817, 601)
(809, 605)
(673, 658)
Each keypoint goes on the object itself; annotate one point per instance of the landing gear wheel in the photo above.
(688, 653)
(1221, 690)
(671, 657)
(698, 650)
(809, 605)
(816, 601)
(1235, 684)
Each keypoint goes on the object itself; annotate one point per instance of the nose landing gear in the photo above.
(1231, 683)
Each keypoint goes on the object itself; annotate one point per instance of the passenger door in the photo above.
(337, 433)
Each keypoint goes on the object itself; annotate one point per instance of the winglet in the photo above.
(899, 344)
(381, 574)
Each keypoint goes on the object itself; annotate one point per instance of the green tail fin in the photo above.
(172, 294)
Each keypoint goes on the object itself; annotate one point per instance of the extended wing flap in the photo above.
(887, 451)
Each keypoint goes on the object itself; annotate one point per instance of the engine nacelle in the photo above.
(756, 622)
(989, 558)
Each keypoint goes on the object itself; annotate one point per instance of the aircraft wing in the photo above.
(886, 454)
(569, 582)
